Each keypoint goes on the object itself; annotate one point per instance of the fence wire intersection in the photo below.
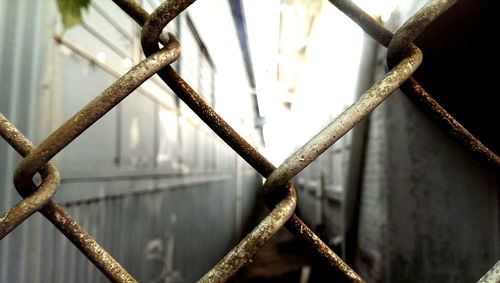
(403, 58)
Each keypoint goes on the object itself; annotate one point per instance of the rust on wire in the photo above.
(189, 96)
(253, 242)
(35, 198)
(322, 141)
(404, 36)
(403, 57)
(37, 157)
(54, 213)
(414, 26)
(411, 57)
(86, 244)
(228, 134)
(346, 120)
(93, 111)
(419, 95)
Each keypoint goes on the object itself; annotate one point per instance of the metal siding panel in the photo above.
(370, 255)
(102, 135)
(81, 260)
(93, 214)
(251, 184)
(137, 134)
(117, 230)
(21, 61)
(125, 225)
(7, 60)
(46, 258)
(143, 225)
(128, 229)
(101, 230)
(103, 26)
(97, 50)
(126, 23)
(167, 157)
(34, 265)
(62, 250)
(70, 255)
(434, 218)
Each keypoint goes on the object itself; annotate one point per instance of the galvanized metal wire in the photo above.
(403, 57)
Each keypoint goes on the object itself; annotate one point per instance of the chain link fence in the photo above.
(403, 59)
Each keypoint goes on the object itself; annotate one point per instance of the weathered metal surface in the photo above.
(345, 121)
(414, 26)
(416, 196)
(41, 202)
(280, 194)
(86, 185)
(416, 92)
(492, 276)
(93, 111)
(31, 202)
(253, 242)
(243, 148)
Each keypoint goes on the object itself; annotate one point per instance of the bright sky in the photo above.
(327, 80)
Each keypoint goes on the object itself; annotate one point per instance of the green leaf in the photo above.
(71, 11)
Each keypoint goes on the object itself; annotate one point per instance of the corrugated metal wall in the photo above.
(23, 55)
(151, 183)
(429, 212)
(426, 211)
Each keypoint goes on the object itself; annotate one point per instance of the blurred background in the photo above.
(396, 197)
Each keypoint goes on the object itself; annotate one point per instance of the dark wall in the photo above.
(459, 52)
(429, 212)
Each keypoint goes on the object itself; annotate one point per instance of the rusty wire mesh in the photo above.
(403, 59)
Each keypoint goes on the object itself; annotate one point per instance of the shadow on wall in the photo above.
(459, 50)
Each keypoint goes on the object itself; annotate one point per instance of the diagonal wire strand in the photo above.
(237, 143)
(83, 241)
(403, 57)
(419, 95)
